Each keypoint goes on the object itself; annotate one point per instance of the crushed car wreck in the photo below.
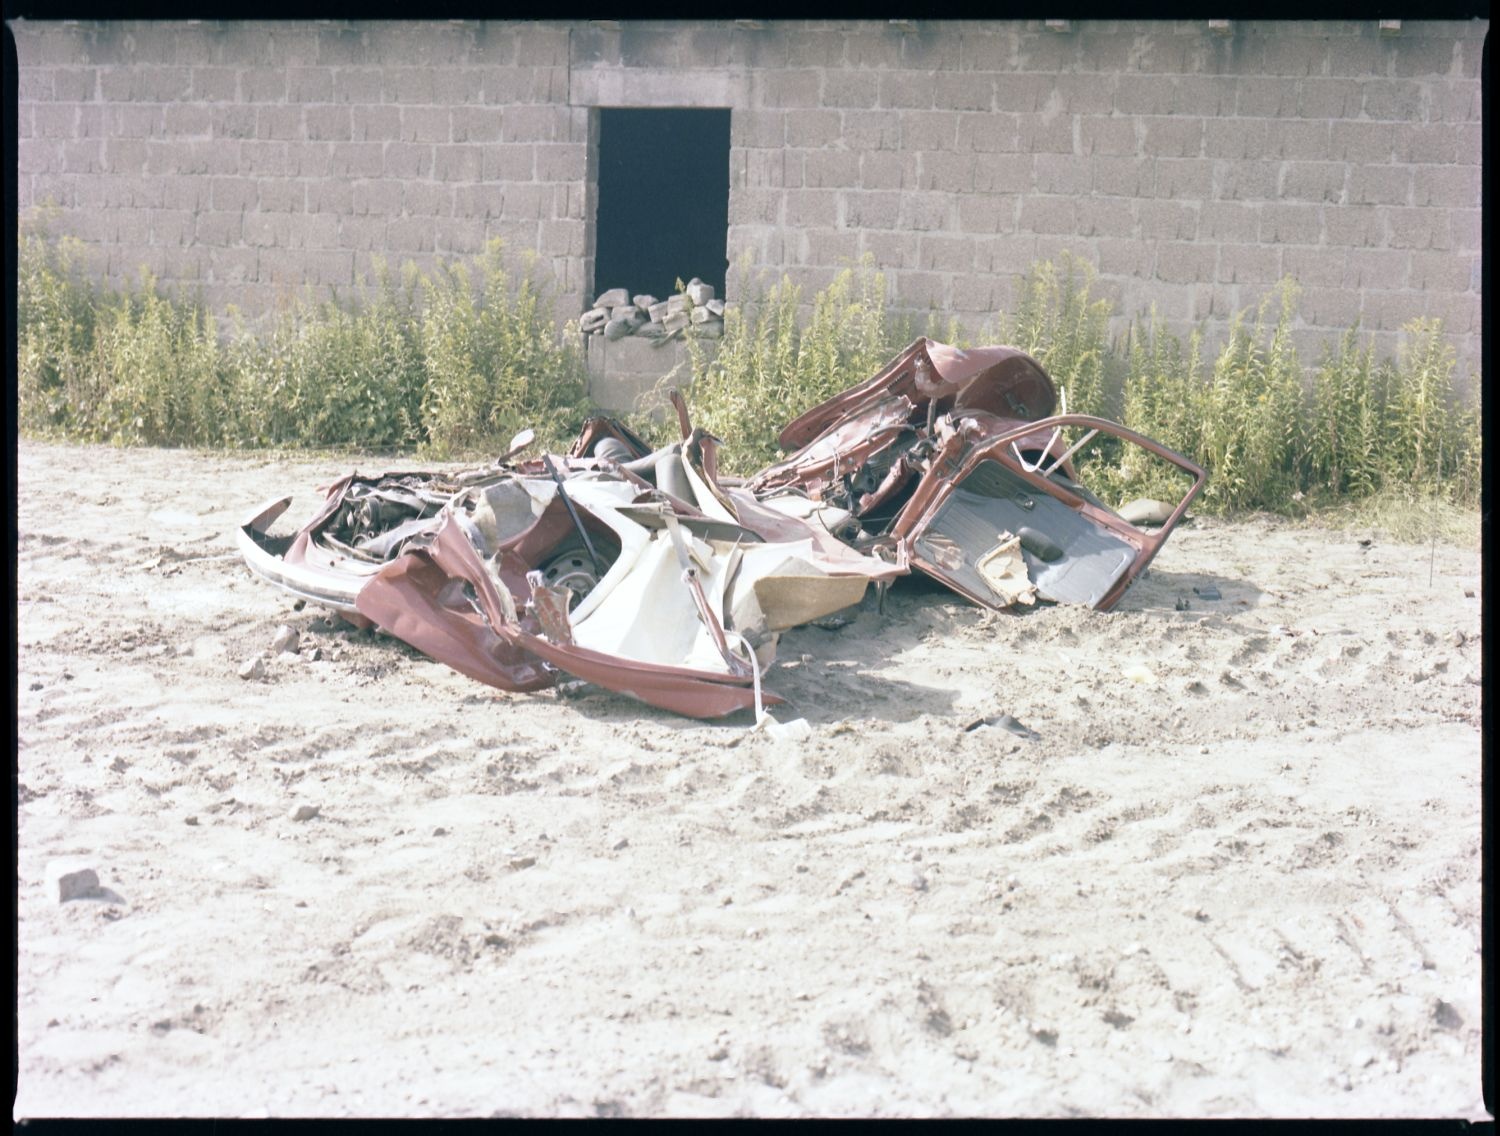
(647, 573)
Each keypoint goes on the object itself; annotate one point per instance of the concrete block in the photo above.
(1313, 181)
(923, 291)
(1380, 268)
(1397, 99)
(987, 133)
(1465, 227)
(964, 90)
(1258, 97)
(1322, 98)
(1314, 267)
(1355, 226)
(1144, 95)
(678, 303)
(1173, 137)
(812, 127)
(1363, 142)
(1228, 222)
(947, 173)
(1100, 135)
(1210, 96)
(1247, 180)
(1419, 229)
(871, 130)
(1379, 185)
(658, 311)
(1167, 220)
(902, 90)
(1295, 139)
(1123, 177)
(67, 84)
(700, 293)
(1458, 186)
(929, 129)
(939, 253)
(824, 169)
(1049, 214)
(871, 210)
(1248, 264)
(987, 47)
(853, 89)
(925, 212)
(1021, 93)
(1290, 224)
(1042, 135)
(788, 89)
(980, 214)
(676, 321)
(1105, 217)
(1085, 94)
(1004, 173)
(475, 123)
(1387, 311)
(328, 123)
(426, 199)
(509, 164)
(1329, 307)
(811, 207)
(1130, 258)
(1061, 173)
(757, 129)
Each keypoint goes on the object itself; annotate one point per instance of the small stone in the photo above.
(718, 1053)
(618, 329)
(700, 293)
(193, 821)
(593, 320)
(305, 812)
(285, 640)
(1458, 638)
(315, 655)
(35, 686)
(253, 668)
(620, 845)
(81, 884)
(439, 831)
(715, 306)
(520, 862)
(613, 298)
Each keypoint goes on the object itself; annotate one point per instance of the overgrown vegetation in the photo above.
(453, 361)
(456, 360)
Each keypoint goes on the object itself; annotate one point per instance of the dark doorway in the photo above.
(663, 200)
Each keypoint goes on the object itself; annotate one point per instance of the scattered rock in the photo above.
(613, 298)
(1145, 511)
(620, 845)
(678, 304)
(1458, 638)
(794, 731)
(285, 640)
(676, 321)
(192, 820)
(716, 307)
(253, 668)
(699, 292)
(439, 831)
(521, 862)
(82, 884)
(618, 329)
(305, 812)
(643, 301)
(593, 320)
(1445, 1016)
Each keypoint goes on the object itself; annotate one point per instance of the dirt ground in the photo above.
(1237, 873)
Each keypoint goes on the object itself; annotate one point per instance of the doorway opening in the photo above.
(663, 185)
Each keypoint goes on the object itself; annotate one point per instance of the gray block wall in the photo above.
(1192, 168)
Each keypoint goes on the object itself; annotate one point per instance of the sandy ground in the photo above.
(1236, 875)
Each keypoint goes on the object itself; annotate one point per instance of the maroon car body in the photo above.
(640, 571)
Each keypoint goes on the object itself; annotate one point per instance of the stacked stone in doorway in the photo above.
(693, 311)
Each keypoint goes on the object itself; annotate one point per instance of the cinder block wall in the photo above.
(1192, 168)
